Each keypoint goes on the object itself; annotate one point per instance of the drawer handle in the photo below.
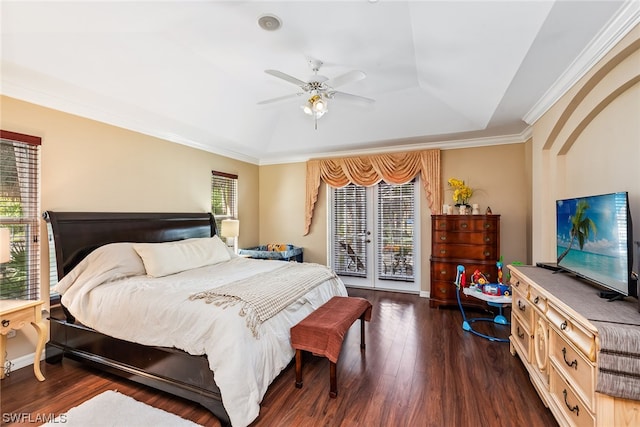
(563, 325)
(487, 253)
(521, 306)
(520, 334)
(571, 408)
(5, 323)
(464, 225)
(487, 239)
(535, 301)
(573, 364)
(443, 251)
(443, 272)
(443, 238)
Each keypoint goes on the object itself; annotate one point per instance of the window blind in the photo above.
(224, 196)
(396, 212)
(19, 212)
(350, 228)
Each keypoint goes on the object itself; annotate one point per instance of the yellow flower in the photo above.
(461, 192)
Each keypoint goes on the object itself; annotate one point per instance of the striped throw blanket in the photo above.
(266, 294)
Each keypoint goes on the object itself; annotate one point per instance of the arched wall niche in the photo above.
(589, 143)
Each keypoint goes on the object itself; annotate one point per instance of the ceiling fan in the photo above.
(319, 88)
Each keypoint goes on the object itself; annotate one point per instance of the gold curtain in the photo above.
(393, 168)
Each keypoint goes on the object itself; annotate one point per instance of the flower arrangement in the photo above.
(461, 192)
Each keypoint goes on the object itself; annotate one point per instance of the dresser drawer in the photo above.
(573, 366)
(443, 290)
(466, 251)
(522, 308)
(519, 285)
(448, 270)
(571, 331)
(16, 320)
(537, 300)
(446, 291)
(521, 338)
(564, 398)
(465, 223)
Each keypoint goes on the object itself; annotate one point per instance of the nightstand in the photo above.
(14, 314)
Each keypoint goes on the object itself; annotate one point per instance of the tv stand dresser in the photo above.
(557, 326)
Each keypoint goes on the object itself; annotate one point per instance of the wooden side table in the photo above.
(14, 314)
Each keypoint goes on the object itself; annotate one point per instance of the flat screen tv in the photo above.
(594, 241)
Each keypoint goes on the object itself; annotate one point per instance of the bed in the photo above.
(188, 320)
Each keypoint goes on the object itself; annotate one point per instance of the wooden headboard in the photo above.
(76, 234)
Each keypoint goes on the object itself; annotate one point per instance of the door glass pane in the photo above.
(350, 226)
(395, 231)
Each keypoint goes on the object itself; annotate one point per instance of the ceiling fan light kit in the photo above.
(315, 106)
(320, 88)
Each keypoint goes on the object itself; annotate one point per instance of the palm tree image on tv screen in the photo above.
(592, 238)
(580, 226)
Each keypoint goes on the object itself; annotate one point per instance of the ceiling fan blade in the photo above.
(351, 97)
(287, 77)
(280, 98)
(343, 79)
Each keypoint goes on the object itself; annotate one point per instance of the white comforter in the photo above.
(157, 311)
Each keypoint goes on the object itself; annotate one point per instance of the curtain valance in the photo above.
(393, 168)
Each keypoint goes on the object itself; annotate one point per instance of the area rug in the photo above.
(115, 409)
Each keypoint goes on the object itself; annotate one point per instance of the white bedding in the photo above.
(163, 315)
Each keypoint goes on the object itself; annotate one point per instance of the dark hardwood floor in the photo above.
(419, 369)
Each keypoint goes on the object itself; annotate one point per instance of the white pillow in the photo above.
(162, 259)
(105, 264)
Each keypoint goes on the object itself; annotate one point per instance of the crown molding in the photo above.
(619, 26)
(518, 138)
(84, 110)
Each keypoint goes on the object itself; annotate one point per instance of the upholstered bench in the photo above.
(323, 331)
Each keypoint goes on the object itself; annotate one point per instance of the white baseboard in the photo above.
(23, 361)
(425, 294)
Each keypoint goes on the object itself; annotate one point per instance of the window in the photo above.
(19, 212)
(224, 196)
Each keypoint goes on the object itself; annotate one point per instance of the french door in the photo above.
(373, 236)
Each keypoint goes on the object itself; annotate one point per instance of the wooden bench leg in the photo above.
(333, 390)
(362, 344)
(298, 368)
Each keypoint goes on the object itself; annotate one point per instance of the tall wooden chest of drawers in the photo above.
(469, 240)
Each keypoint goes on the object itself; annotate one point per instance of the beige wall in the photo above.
(589, 143)
(498, 174)
(91, 166)
(500, 178)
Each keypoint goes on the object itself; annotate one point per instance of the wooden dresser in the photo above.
(559, 345)
(469, 240)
